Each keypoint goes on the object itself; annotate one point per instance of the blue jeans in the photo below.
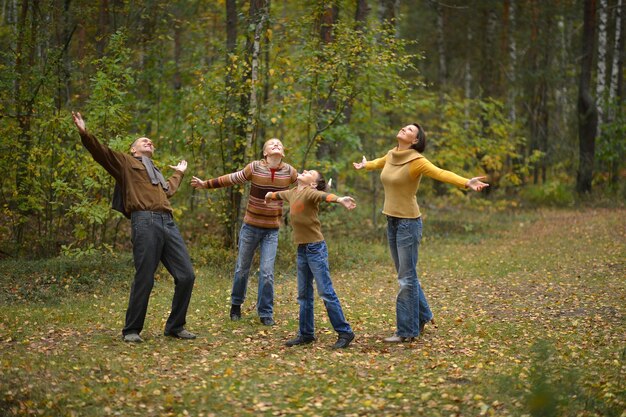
(156, 239)
(251, 237)
(313, 265)
(404, 236)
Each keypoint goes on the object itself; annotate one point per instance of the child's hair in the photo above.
(321, 183)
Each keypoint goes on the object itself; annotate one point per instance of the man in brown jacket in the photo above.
(145, 200)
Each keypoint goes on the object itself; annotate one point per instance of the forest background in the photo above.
(529, 93)
(529, 300)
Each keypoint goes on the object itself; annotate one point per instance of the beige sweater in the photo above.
(303, 212)
(401, 175)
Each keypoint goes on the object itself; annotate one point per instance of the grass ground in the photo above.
(530, 308)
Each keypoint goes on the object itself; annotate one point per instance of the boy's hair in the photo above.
(321, 183)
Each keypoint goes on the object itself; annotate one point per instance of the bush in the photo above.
(554, 194)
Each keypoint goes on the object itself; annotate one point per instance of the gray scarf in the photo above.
(153, 172)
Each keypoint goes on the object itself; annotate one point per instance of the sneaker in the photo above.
(132, 338)
(267, 321)
(235, 312)
(398, 339)
(300, 340)
(343, 341)
(181, 334)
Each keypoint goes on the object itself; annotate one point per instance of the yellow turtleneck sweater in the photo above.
(401, 175)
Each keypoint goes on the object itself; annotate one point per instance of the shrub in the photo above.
(554, 194)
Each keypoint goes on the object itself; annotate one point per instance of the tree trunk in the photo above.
(601, 74)
(258, 20)
(360, 16)
(511, 46)
(615, 85)
(587, 114)
(103, 27)
(327, 20)
(24, 103)
(230, 123)
(258, 14)
(468, 79)
(616, 69)
(538, 60)
(489, 78)
(360, 24)
(231, 51)
(562, 101)
(266, 84)
(177, 79)
(442, 71)
(542, 112)
(388, 12)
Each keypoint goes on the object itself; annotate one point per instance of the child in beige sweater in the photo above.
(312, 258)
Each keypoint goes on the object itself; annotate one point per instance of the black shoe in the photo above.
(343, 341)
(300, 340)
(267, 321)
(181, 334)
(235, 312)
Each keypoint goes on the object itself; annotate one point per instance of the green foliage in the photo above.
(552, 193)
(362, 71)
(471, 138)
(62, 189)
(109, 108)
(611, 152)
(162, 69)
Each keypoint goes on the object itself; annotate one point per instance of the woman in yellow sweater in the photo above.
(402, 170)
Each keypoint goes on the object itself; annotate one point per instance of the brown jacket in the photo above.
(138, 192)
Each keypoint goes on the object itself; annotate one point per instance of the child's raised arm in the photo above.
(347, 201)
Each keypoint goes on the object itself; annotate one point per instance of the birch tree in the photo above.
(258, 20)
(616, 61)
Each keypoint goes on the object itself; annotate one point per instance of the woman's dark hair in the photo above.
(321, 182)
(420, 145)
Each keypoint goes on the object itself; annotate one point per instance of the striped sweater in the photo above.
(263, 180)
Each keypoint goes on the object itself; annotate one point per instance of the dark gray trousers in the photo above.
(156, 239)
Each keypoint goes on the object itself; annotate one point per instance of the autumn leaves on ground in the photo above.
(529, 307)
